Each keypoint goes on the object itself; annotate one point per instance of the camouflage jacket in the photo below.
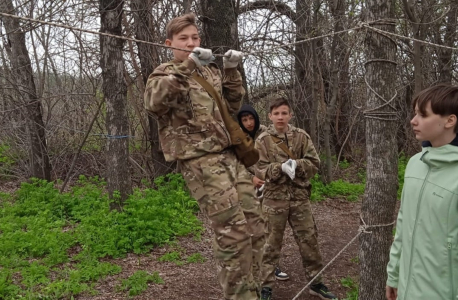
(261, 129)
(272, 156)
(189, 121)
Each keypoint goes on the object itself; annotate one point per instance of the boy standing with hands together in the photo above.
(287, 162)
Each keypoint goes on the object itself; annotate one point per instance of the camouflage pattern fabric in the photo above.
(261, 129)
(252, 211)
(190, 124)
(287, 200)
(212, 181)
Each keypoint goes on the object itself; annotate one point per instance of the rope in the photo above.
(365, 25)
(361, 25)
(362, 229)
(165, 46)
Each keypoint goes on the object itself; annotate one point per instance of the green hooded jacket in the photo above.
(424, 256)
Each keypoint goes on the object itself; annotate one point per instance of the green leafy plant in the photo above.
(338, 188)
(173, 256)
(195, 258)
(138, 282)
(344, 164)
(352, 285)
(53, 242)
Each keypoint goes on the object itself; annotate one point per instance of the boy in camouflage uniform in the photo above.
(287, 162)
(249, 121)
(192, 131)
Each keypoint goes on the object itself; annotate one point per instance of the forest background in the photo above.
(71, 108)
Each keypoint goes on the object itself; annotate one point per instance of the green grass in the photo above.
(178, 257)
(352, 286)
(351, 191)
(51, 243)
(336, 189)
(138, 282)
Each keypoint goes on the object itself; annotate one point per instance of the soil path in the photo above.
(337, 222)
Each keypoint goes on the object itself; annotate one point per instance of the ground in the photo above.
(337, 222)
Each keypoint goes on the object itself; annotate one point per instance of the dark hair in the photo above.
(277, 102)
(443, 99)
(177, 24)
(246, 113)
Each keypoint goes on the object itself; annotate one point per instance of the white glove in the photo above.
(289, 168)
(201, 56)
(232, 58)
(260, 192)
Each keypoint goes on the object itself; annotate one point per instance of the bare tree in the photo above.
(337, 65)
(149, 59)
(24, 85)
(445, 56)
(115, 93)
(381, 180)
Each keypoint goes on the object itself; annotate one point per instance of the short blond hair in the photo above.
(177, 24)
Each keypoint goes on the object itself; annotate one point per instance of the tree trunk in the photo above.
(338, 54)
(445, 61)
(219, 20)
(379, 201)
(115, 93)
(24, 85)
(149, 59)
(303, 61)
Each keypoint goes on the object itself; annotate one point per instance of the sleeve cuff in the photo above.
(392, 283)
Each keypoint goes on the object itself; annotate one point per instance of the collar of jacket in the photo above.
(428, 143)
(272, 131)
(439, 157)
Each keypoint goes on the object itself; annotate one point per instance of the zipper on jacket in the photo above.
(415, 227)
(450, 263)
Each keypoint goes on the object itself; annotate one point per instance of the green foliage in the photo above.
(338, 188)
(138, 282)
(178, 258)
(350, 284)
(195, 258)
(6, 157)
(52, 242)
(174, 256)
(344, 164)
(351, 191)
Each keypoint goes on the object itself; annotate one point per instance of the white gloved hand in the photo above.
(260, 192)
(201, 56)
(232, 58)
(289, 168)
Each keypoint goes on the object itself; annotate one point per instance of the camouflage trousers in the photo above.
(297, 212)
(212, 181)
(253, 214)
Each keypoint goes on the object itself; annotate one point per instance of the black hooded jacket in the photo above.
(249, 109)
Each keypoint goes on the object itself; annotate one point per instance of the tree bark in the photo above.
(445, 61)
(338, 55)
(149, 59)
(303, 62)
(24, 85)
(115, 92)
(379, 201)
(219, 20)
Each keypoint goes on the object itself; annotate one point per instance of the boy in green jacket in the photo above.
(424, 256)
